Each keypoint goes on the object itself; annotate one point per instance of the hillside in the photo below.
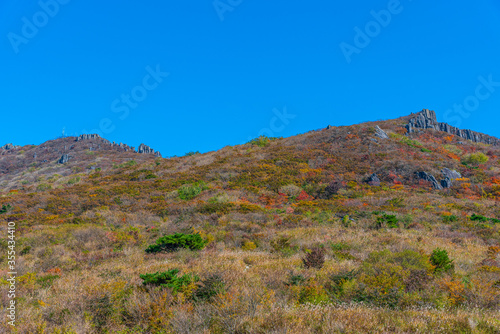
(340, 230)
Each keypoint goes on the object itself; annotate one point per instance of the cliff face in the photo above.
(426, 119)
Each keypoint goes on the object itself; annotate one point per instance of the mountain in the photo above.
(393, 223)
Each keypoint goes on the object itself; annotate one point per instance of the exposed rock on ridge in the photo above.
(143, 149)
(426, 119)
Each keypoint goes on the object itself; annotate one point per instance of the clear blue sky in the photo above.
(232, 69)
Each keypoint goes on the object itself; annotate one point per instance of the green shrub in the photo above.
(261, 141)
(210, 287)
(169, 279)
(43, 187)
(5, 208)
(475, 158)
(440, 260)
(449, 219)
(190, 154)
(74, 180)
(190, 191)
(170, 243)
(478, 218)
(295, 279)
(337, 282)
(389, 221)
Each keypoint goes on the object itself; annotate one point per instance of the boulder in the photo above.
(446, 183)
(451, 174)
(64, 159)
(380, 133)
(373, 180)
(428, 177)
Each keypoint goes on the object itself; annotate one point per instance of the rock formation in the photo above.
(373, 180)
(9, 147)
(428, 177)
(380, 133)
(87, 136)
(426, 119)
(449, 176)
(144, 149)
(64, 159)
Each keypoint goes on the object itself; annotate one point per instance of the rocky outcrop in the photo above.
(380, 133)
(426, 119)
(144, 149)
(430, 178)
(87, 136)
(449, 176)
(9, 147)
(64, 159)
(373, 180)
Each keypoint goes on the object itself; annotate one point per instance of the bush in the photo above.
(261, 141)
(295, 279)
(210, 287)
(190, 154)
(450, 219)
(384, 276)
(315, 258)
(170, 243)
(169, 279)
(5, 208)
(387, 220)
(478, 218)
(290, 190)
(283, 245)
(337, 282)
(475, 158)
(440, 260)
(190, 191)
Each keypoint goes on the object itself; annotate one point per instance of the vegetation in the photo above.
(273, 236)
(170, 243)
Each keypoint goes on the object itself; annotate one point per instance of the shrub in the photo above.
(387, 220)
(169, 279)
(221, 208)
(478, 218)
(449, 219)
(440, 260)
(337, 282)
(249, 246)
(74, 180)
(295, 279)
(315, 258)
(291, 190)
(261, 141)
(43, 187)
(282, 244)
(170, 243)
(475, 158)
(5, 208)
(384, 275)
(210, 287)
(190, 154)
(190, 191)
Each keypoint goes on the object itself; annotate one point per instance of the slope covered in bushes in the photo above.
(289, 235)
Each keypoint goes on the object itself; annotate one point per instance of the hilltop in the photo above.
(393, 223)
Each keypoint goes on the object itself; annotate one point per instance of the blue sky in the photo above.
(186, 76)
